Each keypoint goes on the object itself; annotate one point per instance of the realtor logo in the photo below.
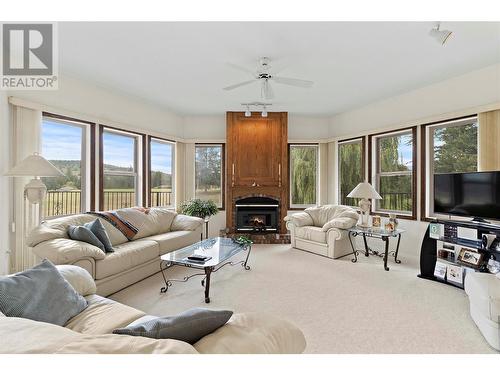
(29, 60)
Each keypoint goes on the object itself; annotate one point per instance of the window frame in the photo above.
(427, 161)
(87, 159)
(374, 165)
(363, 160)
(291, 205)
(139, 163)
(222, 172)
(151, 138)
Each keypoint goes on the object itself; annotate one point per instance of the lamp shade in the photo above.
(364, 190)
(34, 165)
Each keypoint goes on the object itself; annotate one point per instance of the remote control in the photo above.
(198, 258)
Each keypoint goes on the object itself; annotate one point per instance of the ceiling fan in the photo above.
(264, 76)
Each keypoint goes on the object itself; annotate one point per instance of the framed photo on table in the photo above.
(471, 257)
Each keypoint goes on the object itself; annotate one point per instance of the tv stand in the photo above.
(479, 220)
(455, 234)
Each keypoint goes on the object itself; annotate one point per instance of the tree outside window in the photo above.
(303, 175)
(208, 173)
(351, 170)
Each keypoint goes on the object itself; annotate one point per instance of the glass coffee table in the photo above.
(381, 233)
(219, 250)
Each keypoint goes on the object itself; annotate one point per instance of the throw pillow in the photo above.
(189, 326)
(99, 231)
(41, 294)
(81, 233)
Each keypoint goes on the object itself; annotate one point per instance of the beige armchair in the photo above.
(321, 229)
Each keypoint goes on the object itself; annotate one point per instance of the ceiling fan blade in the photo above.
(227, 88)
(293, 81)
(266, 91)
(242, 68)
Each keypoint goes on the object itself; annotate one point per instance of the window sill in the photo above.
(398, 215)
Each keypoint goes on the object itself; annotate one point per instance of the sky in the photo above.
(61, 142)
(64, 142)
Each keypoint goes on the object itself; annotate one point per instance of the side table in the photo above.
(380, 233)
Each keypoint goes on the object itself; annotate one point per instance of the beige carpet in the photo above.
(341, 307)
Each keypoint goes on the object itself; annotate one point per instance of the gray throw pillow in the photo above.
(41, 294)
(99, 231)
(81, 233)
(189, 326)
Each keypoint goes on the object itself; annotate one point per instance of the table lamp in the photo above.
(365, 191)
(37, 166)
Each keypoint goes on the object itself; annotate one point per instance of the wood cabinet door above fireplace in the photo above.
(256, 149)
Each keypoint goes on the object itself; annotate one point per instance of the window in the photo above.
(120, 177)
(209, 173)
(452, 147)
(351, 169)
(394, 171)
(64, 145)
(161, 175)
(303, 175)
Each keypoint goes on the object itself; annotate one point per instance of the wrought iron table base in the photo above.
(369, 251)
(205, 282)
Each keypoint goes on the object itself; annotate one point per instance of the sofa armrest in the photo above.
(340, 223)
(79, 279)
(66, 251)
(300, 219)
(185, 222)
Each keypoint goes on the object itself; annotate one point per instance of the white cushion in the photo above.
(58, 228)
(184, 222)
(253, 333)
(323, 214)
(126, 256)
(483, 290)
(103, 316)
(311, 233)
(64, 250)
(79, 279)
(175, 240)
(300, 219)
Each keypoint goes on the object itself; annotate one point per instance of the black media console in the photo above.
(449, 237)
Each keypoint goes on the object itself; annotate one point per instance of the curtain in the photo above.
(26, 141)
(489, 141)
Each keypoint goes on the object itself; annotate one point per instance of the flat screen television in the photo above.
(474, 194)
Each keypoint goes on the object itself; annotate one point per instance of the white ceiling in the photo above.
(183, 66)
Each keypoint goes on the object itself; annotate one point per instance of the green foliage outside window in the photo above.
(455, 149)
(351, 170)
(304, 167)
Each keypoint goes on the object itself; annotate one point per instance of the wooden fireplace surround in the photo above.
(256, 161)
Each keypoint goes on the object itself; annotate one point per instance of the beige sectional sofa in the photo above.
(91, 331)
(159, 231)
(321, 229)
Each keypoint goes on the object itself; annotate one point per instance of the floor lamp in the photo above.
(34, 193)
(35, 166)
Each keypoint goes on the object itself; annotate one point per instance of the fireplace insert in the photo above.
(257, 214)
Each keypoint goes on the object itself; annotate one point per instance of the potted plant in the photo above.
(199, 208)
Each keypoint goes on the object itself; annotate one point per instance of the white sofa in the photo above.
(321, 229)
(483, 290)
(90, 332)
(159, 231)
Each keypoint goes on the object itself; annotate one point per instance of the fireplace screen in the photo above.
(257, 214)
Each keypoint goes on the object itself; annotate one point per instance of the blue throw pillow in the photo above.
(99, 231)
(41, 294)
(189, 326)
(81, 233)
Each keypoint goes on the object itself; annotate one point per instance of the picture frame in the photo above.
(376, 221)
(469, 256)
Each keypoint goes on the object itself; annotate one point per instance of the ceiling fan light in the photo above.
(247, 112)
(264, 112)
